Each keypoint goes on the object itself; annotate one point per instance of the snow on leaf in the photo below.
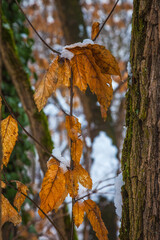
(78, 213)
(94, 216)
(91, 65)
(9, 213)
(73, 127)
(95, 29)
(83, 176)
(76, 150)
(9, 130)
(20, 198)
(53, 187)
(72, 183)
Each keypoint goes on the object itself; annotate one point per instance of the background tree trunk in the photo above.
(141, 150)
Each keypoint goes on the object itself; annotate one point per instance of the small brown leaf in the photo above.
(94, 216)
(3, 185)
(83, 176)
(73, 127)
(9, 130)
(103, 113)
(78, 213)
(9, 213)
(72, 183)
(53, 188)
(95, 30)
(20, 198)
(57, 74)
(47, 85)
(76, 150)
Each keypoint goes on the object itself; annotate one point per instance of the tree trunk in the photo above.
(141, 150)
(70, 15)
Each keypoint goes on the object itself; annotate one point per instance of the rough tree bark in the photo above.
(141, 150)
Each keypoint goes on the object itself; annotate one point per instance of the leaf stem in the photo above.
(44, 42)
(106, 20)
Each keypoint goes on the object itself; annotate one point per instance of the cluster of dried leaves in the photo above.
(9, 134)
(92, 65)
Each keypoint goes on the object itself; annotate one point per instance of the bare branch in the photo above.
(44, 42)
(119, 86)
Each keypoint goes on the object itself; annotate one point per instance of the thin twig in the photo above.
(50, 220)
(119, 86)
(44, 42)
(95, 191)
(58, 105)
(28, 134)
(106, 20)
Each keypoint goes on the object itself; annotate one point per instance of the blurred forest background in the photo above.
(63, 22)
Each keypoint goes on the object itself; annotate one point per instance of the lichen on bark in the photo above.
(141, 154)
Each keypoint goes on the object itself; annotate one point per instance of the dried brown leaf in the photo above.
(83, 176)
(9, 130)
(72, 183)
(94, 216)
(20, 198)
(105, 60)
(57, 74)
(9, 213)
(73, 127)
(76, 150)
(78, 213)
(53, 188)
(95, 29)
